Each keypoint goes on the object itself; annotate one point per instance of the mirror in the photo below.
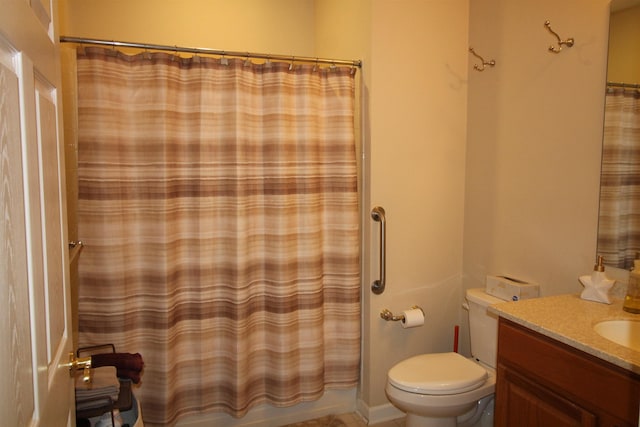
(619, 218)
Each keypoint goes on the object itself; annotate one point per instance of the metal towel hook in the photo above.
(483, 62)
(568, 42)
(377, 214)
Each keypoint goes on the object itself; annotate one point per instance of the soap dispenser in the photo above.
(632, 300)
(597, 285)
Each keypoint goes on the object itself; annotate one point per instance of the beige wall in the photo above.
(480, 173)
(416, 94)
(534, 142)
(624, 47)
(279, 26)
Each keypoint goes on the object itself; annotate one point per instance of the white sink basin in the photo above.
(623, 332)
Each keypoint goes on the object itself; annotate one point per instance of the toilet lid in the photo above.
(437, 373)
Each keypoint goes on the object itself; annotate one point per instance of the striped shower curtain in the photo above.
(219, 211)
(619, 222)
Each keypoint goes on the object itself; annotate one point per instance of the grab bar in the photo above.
(377, 214)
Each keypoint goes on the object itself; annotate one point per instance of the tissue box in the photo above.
(510, 289)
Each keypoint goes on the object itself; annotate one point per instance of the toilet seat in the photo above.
(437, 374)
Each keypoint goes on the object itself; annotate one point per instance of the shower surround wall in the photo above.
(527, 140)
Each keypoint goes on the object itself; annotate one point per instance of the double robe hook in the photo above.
(483, 62)
(556, 49)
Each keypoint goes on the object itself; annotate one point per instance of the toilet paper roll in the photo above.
(413, 318)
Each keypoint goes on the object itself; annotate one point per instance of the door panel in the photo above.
(51, 233)
(34, 237)
(42, 10)
(17, 404)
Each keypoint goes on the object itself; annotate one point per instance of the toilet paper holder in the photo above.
(388, 315)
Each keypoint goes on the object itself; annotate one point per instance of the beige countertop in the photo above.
(570, 319)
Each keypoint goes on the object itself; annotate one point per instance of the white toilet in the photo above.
(447, 389)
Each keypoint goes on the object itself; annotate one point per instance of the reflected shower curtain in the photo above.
(619, 222)
(218, 208)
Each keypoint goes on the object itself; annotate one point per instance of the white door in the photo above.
(35, 334)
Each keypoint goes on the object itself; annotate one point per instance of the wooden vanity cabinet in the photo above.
(542, 382)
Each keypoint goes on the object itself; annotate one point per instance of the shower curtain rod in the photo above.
(200, 50)
(624, 85)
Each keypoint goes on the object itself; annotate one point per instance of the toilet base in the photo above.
(480, 416)
(414, 420)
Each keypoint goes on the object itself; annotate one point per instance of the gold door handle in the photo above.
(77, 363)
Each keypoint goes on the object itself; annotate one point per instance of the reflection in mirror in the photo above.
(619, 220)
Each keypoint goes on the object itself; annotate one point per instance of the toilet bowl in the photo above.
(448, 389)
(436, 389)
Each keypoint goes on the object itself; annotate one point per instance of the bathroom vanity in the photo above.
(555, 370)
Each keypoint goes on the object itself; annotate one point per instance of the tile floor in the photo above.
(345, 420)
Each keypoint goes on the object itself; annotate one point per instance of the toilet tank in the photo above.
(483, 326)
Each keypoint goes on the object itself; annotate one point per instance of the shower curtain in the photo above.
(619, 222)
(219, 211)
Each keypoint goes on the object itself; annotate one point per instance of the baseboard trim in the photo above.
(378, 414)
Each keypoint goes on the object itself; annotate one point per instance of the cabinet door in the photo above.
(523, 403)
(543, 382)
